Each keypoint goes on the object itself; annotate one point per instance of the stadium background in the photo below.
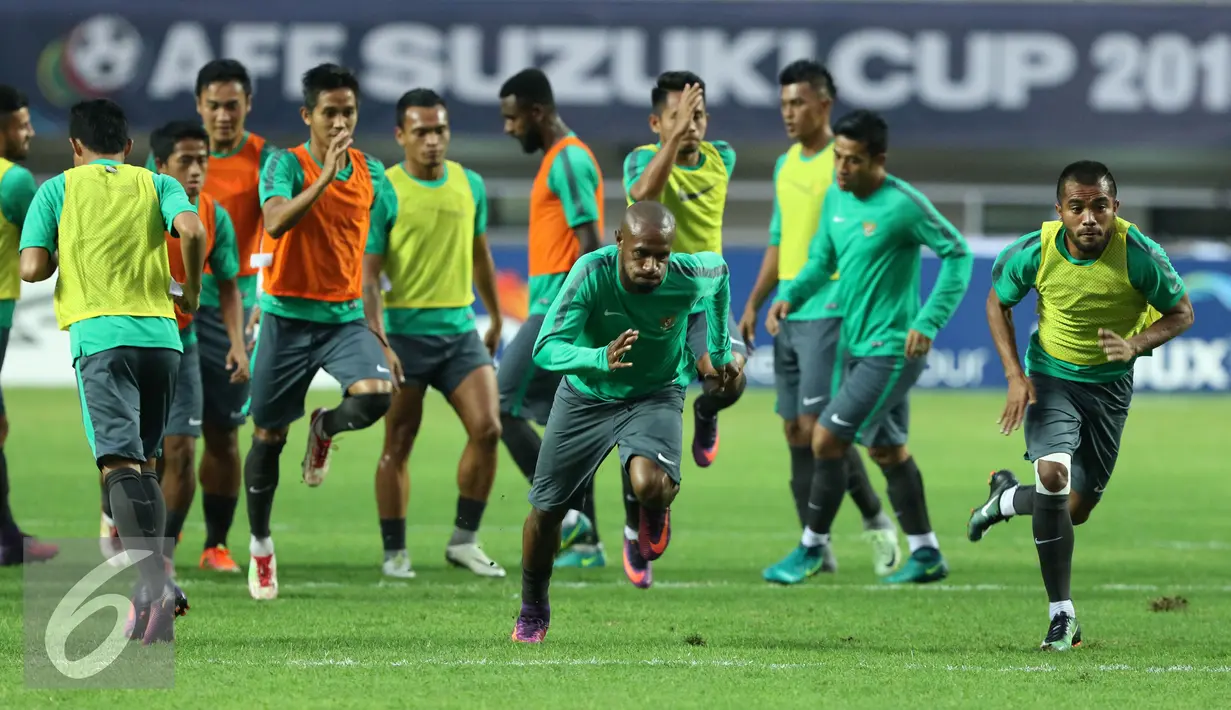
(986, 101)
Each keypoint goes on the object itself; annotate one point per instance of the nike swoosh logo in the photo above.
(666, 460)
(1037, 541)
(686, 196)
(194, 422)
(381, 368)
(809, 401)
(933, 569)
(660, 545)
(839, 219)
(986, 508)
(611, 313)
(838, 420)
(589, 561)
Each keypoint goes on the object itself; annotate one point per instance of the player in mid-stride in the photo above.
(618, 329)
(1107, 295)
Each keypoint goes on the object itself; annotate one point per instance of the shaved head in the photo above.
(644, 238)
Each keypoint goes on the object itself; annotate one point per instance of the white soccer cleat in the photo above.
(320, 449)
(263, 577)
(109, 543)
(470, 557)
(398, 566)
(885, 551)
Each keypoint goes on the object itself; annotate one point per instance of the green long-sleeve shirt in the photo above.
(875, 243)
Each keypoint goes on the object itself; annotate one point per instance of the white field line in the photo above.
(1118, 668)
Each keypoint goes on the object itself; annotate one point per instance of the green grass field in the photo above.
(710, 633)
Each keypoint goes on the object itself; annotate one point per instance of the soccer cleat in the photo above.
(570, 534)
(532, 624)
(582, 556)
(988, 514)
(320, 449)
(704, 438)
(636, 567)
(1064, 634)
(160, 620)
(885, 551)
(218, 559)
(654, 533)
(800, 564)
(263, 577)
(924, 565)
(470, 556)
(26, 549)
(398, 566)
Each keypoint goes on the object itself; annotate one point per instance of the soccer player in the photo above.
(101, 225)
(181, 151)
(433, 251)
(320, 199)
(871, 230)
(1107, 294)
(689, 175)
(806, 349)
(237, 157)
(618, 329)
(566, 221)
(17, 189)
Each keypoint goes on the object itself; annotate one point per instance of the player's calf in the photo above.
(360, 409)
(261, 481)
(540, 540)
(219, 475)
(178, 485)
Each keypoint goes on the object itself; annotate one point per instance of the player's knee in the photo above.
(486, 433)
(888, 456)
(4, 430)
(269, 436)
(827, 445)
(652, 485)
(1052, 474)
(373, 386)
(548, 518)
(799, 430)
(369, 407)
(176, 450)
(220, 442)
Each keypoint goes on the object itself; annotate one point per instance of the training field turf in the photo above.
(710, 633)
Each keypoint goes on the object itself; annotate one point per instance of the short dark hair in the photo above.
(327, 77)
(100, 125)
(867, 127)
(224, 71)
(531, 87)
(670, 82)
(417, 98)
(163, 140)
(807, 71)
(1085, 172)
(11, 100)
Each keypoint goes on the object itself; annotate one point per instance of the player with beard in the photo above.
(618, 329)
(566, 221)
(1107, 296)
(17, 190)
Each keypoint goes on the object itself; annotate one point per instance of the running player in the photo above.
(16, 191)
(181, 151)
(618, 329)
(319, 199)
(806, 349)
(237, 157)
(101, 225)
(566, 221)
(872, 227)
(1107, 295)
(689, 175)
(433, 252)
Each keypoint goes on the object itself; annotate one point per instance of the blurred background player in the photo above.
(320, 200)
(619, 329)
(101, 225)
(871, 229)
(181, 150)
(433, 252)
(17, 189)
(806, 350)
(566, 221)
(689, 175)
(1107, 295)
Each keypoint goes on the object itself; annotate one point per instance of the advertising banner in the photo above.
(944, 74)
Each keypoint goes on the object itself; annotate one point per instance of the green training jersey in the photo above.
(17, 190)
(876, 244)
(1145, 268)
(594, 308)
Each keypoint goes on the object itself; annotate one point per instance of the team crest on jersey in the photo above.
(668, 322)
(869, 228)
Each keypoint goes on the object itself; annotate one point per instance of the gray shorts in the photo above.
(126, 396)
(440, 361)
(526, 390)
(289, 352)
(1082, 419)
(185, 417)
(698, 333)
(582, 431)
(224, 400)
(805, 355)
(871, 404)
(4, 347)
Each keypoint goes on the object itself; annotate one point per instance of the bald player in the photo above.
(617, 330)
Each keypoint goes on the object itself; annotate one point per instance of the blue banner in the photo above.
(963, 356)
(944, 74)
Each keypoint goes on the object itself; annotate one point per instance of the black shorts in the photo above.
(1082, 419)
(872, 402)
(126, 396)
(805, 359)
(439, 361)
